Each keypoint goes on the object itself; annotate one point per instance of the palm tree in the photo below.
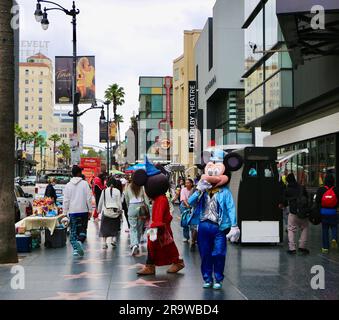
(8, 252)
(119, 119)
(54, 138)
(26, 138)
(35, 139)
(41, 143)
(115, 94)
(66, 151)
(18, 134)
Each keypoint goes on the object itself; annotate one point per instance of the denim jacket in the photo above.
(225, 201)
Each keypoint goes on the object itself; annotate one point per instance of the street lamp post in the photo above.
(42, 17)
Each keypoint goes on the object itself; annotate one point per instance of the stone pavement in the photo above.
(252, 272)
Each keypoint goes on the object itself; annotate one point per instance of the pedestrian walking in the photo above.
(98, 187)
(138, 205)
(327, 202)
(110, 207)
(77, 205)
(50, 190)
(186, 192)
(296, 198)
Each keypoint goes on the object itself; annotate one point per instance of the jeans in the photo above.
(137, 224)
(186, 230)
(78, 225)
(294, 223)
(213, 248)
(329, 222)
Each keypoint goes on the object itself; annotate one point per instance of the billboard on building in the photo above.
(112, 132)
(85, 79)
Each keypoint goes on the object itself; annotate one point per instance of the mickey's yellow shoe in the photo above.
(324, 250)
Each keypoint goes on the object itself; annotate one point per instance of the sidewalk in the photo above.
(265, 272)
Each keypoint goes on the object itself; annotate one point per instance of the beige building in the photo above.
(183, 72)
(36, 101)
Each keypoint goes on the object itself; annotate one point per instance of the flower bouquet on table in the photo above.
(44, 208)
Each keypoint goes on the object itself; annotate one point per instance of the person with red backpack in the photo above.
(327, 202)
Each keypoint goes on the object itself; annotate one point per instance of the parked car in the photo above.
(28, 181)
(24, 202)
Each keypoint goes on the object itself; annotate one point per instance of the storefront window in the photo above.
(255, 104)
(271, 24)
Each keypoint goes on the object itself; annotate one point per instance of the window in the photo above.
(26, 108)
(40, 91)
(157, 103)
(210, 43)
(26, 72)
(26, 90)
(40, 126)
(40, 117)
(26, 126)
(41, 82)
(40, 108)
(26, 99)
(40, 99)
(26, 117)
(41, 73)
(26, 81)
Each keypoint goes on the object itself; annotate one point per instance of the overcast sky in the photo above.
(129, 38)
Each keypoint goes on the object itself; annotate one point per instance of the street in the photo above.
(252, 272)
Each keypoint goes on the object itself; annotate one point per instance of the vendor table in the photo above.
(34, 223)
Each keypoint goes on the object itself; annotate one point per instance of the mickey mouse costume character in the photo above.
(213, 202)
(162, 250)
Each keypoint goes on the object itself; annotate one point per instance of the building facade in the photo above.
(183, 75)
(155, 118)
(292, 88)
(218, 70)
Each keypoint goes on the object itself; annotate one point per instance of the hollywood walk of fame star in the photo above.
(131, 267)
(84, 275)
(75, 296)
(140, 283)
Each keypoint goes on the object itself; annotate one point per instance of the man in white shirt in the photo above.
(77, 205)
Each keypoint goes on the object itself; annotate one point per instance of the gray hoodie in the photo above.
(77, 197)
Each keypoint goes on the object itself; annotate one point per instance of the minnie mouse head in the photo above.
(218, 169)
(154, 180)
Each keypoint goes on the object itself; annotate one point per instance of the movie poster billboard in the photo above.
(85, 71)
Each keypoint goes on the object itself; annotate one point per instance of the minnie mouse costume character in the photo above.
(162, 250)
(213, 202)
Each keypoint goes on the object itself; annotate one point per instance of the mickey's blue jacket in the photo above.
(225, 203)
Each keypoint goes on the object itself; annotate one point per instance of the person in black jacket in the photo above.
(294, 191)
(329, 218)
(50, 191)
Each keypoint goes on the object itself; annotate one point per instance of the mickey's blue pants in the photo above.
(212, 247)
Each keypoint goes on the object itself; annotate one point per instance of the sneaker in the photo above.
(105, 246)
(217, 286)
(76, 253)
(291, 251)
(185, 240)
(80, 249)
(135, 250)
(304, 251)
(334, 244)
(207, 285)
(323, 250)
(114, 244)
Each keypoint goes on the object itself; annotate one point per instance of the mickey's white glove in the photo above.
(203, 185)
(234, 234)
(153, 234)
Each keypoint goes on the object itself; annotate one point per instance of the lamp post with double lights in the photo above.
(42, 17)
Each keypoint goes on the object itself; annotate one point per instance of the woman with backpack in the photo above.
(296, 198)
(138, 210)
(110, 206)
(327, 202)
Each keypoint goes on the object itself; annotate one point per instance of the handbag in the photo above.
(186, 217)
(112, 212)
(144, 213)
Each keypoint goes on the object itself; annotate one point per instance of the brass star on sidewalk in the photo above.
(140, 283)
(75, 296)
(84, 275)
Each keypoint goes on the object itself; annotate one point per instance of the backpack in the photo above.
(329, 199)
(300, 205)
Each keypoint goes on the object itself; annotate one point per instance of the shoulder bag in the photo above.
(111, 212)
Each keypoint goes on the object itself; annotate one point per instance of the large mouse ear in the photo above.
(233, 162)
(140, 177)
